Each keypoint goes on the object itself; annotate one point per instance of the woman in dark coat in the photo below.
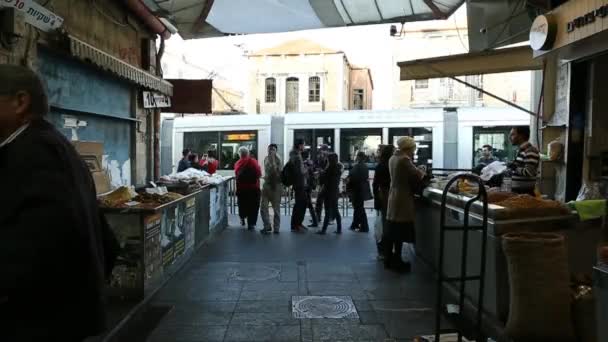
(359, 183)
(381, 186)
(330, 180)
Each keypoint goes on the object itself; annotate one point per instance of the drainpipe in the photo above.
(151, 21)
(156, 118)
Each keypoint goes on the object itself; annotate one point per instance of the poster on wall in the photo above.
(187, 217)
(167, 241)
(128, 269)
(152, 252)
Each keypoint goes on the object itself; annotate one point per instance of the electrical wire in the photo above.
(466, 48)
(107, 16)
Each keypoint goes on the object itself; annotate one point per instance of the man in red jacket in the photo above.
(248, 173)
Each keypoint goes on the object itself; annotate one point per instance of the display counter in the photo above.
(500, 221)
(156, 240)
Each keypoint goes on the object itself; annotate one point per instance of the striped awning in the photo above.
(107, 62)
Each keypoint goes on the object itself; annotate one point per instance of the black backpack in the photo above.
(287, 174)
(247, 175)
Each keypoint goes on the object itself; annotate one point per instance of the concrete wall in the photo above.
(328, 67)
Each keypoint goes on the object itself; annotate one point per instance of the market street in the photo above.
(240, 286)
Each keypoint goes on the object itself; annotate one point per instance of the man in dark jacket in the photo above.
(54, 245)
(359, 180)
(299, 186)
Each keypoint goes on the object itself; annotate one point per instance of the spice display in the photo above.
(117, 197)
(529, 202)
(499, 196)
(147, 198)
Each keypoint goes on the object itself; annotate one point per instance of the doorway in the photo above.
(293, 93)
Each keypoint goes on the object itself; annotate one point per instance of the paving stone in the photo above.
(261, 295)
(263, 318)
(330, 288)
(272, 306)
(348, 332)
(249, 333)
(186, 333)
(186, 315)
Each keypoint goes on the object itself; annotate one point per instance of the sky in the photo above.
(366, 46)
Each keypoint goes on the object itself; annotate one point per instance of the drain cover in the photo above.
(323, 307)
(258, 273)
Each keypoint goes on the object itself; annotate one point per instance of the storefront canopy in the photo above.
(208, 18)
(477, 63)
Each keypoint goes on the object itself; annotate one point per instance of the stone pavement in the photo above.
(240, 287)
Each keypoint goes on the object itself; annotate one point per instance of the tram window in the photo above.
(201, 142)
(314, 139)
(424, 142)
(353, 140)
(230, 144)
(498, 138)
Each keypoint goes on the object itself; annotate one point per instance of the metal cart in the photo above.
(464, 277)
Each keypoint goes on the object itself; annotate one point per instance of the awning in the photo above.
(105, 61)
(512, 59)
(208, 18)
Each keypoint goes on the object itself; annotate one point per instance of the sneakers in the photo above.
(266, 231)
(298, 228)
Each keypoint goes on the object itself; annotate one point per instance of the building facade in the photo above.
(302, 76)
(450, 38)
(80, 48)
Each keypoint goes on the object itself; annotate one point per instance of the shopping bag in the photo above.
(378, 228)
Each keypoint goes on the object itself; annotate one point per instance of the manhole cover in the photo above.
(323, 307)
(256, 274)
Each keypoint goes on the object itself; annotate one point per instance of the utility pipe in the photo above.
(153, 23)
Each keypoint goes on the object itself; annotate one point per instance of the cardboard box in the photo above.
(92, 154)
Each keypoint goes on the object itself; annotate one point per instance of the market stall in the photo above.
(159, 227)
(507, 213)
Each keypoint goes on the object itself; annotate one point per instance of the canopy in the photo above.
(209, 18)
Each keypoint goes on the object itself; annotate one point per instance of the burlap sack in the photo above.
(539, 285)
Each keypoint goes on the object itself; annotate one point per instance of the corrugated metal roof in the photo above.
(209, 18)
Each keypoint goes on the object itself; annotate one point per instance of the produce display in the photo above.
(156, 198)
(117, 197)
(529, 202)
(192, 176)
(498, 196)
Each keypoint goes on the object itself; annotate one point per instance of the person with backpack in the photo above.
(272, 190)
(311, 184)
(248, 174)
(330, 178)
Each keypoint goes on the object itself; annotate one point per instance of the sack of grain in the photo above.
(539, 286)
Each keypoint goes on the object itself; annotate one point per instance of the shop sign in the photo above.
(35, 14)
(588, 18)
(156, 100)
(542, 33)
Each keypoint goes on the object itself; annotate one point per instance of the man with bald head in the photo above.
(55, 247)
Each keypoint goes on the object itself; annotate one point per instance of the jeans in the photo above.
(249, 205)
(311, 208)
(271, 196)
(320, 203)
(332, 212)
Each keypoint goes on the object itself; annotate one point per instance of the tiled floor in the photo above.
(240, 288)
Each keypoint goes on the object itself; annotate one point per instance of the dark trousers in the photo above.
(332, 212)
(311, 208)
(359, 215)
(249, 205)
(383, 240)
(299, 208)
(320, 203)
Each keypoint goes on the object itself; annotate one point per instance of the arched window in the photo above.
(314, 89)
(271, 90)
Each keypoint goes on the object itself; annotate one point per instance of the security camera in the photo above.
(483, 30)
(393, 31)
